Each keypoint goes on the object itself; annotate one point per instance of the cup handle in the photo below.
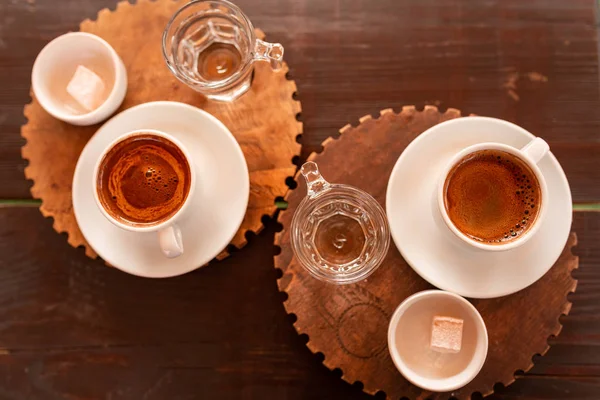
(272, 52)
(536, 149)
(171, 241)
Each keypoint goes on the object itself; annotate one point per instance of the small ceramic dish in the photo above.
(409, 334)
(55, 66)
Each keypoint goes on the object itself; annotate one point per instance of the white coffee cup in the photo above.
(530, 154)
(170, 238)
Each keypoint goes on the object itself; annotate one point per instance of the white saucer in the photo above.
(432, 251)
(219, 202)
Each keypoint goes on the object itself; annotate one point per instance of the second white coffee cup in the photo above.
(530, 154)
(170, 238)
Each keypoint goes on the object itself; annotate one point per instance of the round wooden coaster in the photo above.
(263, 120)
(348, 324)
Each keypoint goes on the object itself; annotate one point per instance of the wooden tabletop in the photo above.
(72, 328)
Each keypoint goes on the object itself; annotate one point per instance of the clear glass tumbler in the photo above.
(339, 233)
(210, 45)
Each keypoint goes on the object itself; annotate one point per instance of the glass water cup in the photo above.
(211, 46)
(339, 233)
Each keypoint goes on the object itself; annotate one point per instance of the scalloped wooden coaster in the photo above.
(348, 324)
(263, 120)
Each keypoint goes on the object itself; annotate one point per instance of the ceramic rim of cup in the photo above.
(515, 152)
(172, 218)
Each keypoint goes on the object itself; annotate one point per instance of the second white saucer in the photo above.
(219, 202)
(432, 252)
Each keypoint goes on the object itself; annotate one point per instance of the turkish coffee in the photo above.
(143, 180)
(492, 196)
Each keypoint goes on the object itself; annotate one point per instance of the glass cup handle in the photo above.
(272, 52)
(314, 180)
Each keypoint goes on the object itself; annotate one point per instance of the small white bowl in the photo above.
(55, 65)
(409, 334)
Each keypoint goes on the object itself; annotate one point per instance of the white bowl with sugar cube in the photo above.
(437, 340)
(79, 78)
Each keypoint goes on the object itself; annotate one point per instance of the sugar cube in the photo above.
(86, 88)
(446, 334)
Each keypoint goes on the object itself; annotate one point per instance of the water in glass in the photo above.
(210, 45)
(338, 233)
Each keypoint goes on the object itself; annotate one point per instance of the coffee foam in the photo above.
(144, 180)
(492, 196)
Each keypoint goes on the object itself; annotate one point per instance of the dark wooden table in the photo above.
(72, 328)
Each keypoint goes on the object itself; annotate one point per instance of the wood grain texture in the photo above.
(353, 57)
(263, 120)
(73, 329)
(348, 324)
